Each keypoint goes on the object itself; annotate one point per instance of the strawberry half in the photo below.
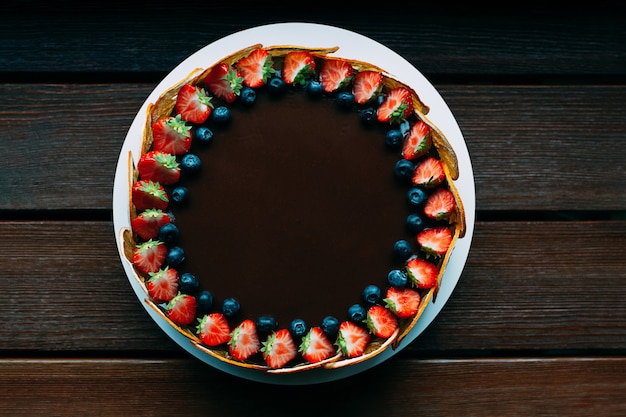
(396, 107)
(213, 329)
(256, 68)
(352, 339)
(381, 322)
(440, 204)
(159, 167)
(171, 135)
(148, 223)
(316, 346)
(182, 309)
(244, 341)
(423, 274)
(298, 67)
(335, 74)
(163, 284)
(367, 85)
(403, 302)
(429, 173)
(435, 241)
(193, 104)
(149, 256)
(225, 82)
(279, 349)
(149, 194)
(418, 142)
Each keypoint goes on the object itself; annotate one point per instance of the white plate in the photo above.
(352, 46)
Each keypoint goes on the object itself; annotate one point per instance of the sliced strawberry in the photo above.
(193, 104)
(256, 68)
(429, 173)
(148, 194)
(367, 85)
(396, 107)
(279, 349)
(352, 339)
(435, 241)
(182, 309)
(159, 167)
(298, 67)
(163, 284)
(244, 341)
(213, 329)
(316, 346)
(423, 274)
(149, 256)
(225, 82)
(402, 301)
(381, 322)
(418, 142)
(440, 204)
(335, 74)
(148, 223)
(171, 135)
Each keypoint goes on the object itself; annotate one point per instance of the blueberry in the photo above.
(168, 234)
(203, 135)
(403, 170)
(330, 326)
(180, 195)
(247, 96)
(368, 116)
(175, 256)
(276, 86)
(415, 223)
(231, 307)
(298, 328)
(372, 294)
(394, 139)
(345, 100)
(190, 163)
(357, 313)
(402, 250)
(189, 283)
(397, 278)
(417, 197)
(314, 89)
(405, 128)
(204, 302)
(266, 325)
(221, 115)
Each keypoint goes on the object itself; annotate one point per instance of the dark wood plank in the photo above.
(493, 387)
(532, 286)
(557, 148)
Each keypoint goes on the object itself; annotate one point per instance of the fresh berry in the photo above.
(244, 341)
(396, 107)
(224, 82)
(402, 301)
(276, 86)
(189, 283)
(190, 164)
(423, 274)
(381, 322)
(418, 142)
(345, 100)
(397, 278)
(394, 138)
(416, 197)
(180, 195)
(367, 85)
(247, 96)
(149, 256)
(213, 329)
(357, 313)
(147, 224)
(440, 204)
(352, 339)
(203, 135)
(330, 326)
(222, 115)
(171, 135)
(335, 74)
(175, 256)
(159, 167)
(429, 173)
(368, 117)
(205, 302)
(402, 250)
(298, 328)
(193, 104)
(415, 223)
(371, 294)
(279, 349)
(316, 346)
(266, 325)
(168, 234)
(231, 307)
(314, 89)
(435, 241)
(298, 67)
(403, 170)
(182, 309)
(147, 194)
(163, 284)
(256, 68)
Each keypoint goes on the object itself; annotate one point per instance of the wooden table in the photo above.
(537, 323)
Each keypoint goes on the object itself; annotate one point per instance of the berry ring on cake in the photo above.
(289, 209)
